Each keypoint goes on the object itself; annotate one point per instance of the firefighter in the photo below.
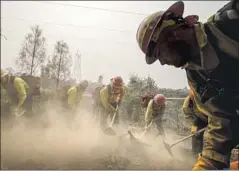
(155, 104)
(17, 90)
(71, 97)
(96, 98)
(197, 120)
(111, 96)
(209, 54)
(75, 94)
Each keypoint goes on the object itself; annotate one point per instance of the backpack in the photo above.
(96, 93)
(146, 98)
(62, 92)
(34, 84)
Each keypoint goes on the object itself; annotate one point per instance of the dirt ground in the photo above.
(28, 145)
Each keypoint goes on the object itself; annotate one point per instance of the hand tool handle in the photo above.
(189, 136)
(113, 119)
(146, 129)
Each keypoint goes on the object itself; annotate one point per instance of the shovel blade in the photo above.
(168, 148)
(110, 131)
(132, 137)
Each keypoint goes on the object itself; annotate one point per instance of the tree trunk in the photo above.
(33, 54)
(59, 69)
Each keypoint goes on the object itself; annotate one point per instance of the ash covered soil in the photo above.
(29, 145)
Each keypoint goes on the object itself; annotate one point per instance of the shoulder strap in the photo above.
(109, 89)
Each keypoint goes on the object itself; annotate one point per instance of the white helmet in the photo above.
(4, 73)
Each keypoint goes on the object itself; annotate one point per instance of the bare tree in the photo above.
(33, 52)
(3, 35)
(150, 84)
(61, 63)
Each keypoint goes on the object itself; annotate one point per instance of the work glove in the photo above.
(15, 111)
(146, 128)
(111, 110)
(18, 111)
(119, 103)
(194, 129)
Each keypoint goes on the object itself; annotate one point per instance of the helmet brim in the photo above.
(4, 75)
(150, 60)
(177, 8)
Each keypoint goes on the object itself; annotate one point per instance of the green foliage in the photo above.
(137, 86)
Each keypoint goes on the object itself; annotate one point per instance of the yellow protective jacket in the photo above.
(215, 84)
(74, 95)
(109, 97)
(17, 91)
(153, 111)
(192, 114)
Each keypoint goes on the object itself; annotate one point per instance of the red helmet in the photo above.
(146, 98)
(117, 82)
(152, 26)
(159, 99)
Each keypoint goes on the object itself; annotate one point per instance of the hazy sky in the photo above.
(106, 39)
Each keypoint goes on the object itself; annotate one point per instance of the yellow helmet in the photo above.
(151, 27)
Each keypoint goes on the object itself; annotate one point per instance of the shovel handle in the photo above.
(141, 136)
(113, 119)
(189, 136)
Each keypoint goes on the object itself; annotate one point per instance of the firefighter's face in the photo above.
(173, 48)
(115, 89)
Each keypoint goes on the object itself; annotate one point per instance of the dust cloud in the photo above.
(56, 145)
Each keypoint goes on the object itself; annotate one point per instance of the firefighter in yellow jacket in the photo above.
(17, 90)
(111, 96)
(197, 120)
(75, 94)
(209, 54)
(155, 110)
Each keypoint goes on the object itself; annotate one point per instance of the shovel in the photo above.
(109, 130)
(132, 137)
(169, 146)
(146, 130)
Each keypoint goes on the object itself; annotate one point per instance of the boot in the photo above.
(207, 164)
